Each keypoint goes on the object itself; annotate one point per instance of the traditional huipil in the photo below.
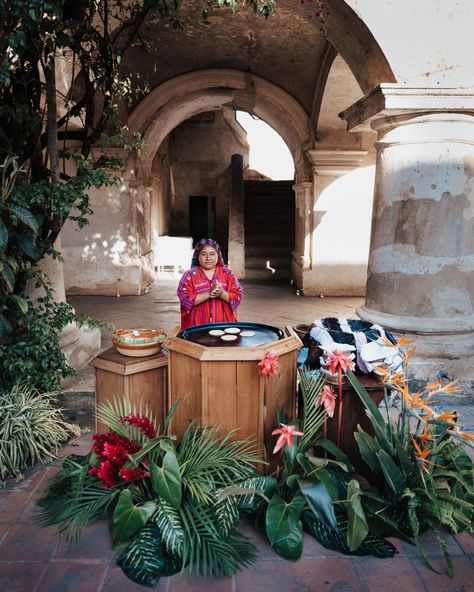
(213, 310)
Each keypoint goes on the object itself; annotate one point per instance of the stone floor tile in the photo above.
(67, 576)
(28, 542)
(186, 583)
(12, 504)
(395, 574)
(463, 580)
(4, 527)
(117, 581)
(431, 546)
(466, 542)
(30, 512)
(94, 543)
(20, 577)
(305, 575)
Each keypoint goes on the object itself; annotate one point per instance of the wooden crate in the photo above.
(221, 386)
(137, 380)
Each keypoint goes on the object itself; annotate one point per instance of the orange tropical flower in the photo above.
(269, 364)
(337, 360)
(328, 399)
(451, 387)
(287, 434)
(433, 386)
(422, 455)
(404, 340)
(416, 401)
(408, 354)
(447, 417)
(462, 433)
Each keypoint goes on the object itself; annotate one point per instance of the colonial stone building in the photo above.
(376, 106)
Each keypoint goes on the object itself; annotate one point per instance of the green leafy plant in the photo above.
(319, 495)
(32, 429)
(423, 475)
(171, 505)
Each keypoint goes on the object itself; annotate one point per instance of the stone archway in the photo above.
(207, 90)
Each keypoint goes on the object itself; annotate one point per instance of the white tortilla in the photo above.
(217, 332)
(229, 337)
(247, 333)
(232, 330)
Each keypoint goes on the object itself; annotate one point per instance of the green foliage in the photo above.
(32, 429)
(181, 511)
(426, 478)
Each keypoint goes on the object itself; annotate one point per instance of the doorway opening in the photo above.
(202, 217)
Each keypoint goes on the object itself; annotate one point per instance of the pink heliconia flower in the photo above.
(328, 399)
(287, 434)
(337, 360)
(268, 365)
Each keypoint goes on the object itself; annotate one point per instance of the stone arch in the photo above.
(186, 95)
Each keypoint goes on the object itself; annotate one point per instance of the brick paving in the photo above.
(36, 559)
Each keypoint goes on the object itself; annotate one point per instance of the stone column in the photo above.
(78, 344)
(301, 260)
(421, 264)
(236, 218)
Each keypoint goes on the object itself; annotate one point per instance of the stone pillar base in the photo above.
(439, 347)
(79, 344)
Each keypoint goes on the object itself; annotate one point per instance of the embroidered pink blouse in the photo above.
(213, 310)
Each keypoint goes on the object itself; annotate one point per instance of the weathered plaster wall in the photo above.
(111, 255)
(427, 42)
(161, 198)
(201, 156)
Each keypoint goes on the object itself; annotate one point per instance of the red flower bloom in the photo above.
(337, 360)
(269, 364)
(113, 438)
(134, 474)
(108, 473)
(287, 434)
(117, 455)
(328, 399)
(144, 423)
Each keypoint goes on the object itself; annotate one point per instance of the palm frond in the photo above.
(209, 461)
(313, 415)
(110, 413)
(206, 551)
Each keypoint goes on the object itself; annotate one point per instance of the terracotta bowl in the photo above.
(138, 342)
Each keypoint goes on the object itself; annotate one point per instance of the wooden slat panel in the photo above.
(221, 395)
(250, 404)
(108, 387)
(149, 389)
(184, 384)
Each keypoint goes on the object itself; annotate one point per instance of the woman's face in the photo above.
(208, 257)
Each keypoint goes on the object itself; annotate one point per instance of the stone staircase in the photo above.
(269, 230)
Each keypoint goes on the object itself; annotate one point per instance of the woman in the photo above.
(209, 292)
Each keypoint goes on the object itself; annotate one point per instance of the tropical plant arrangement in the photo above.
(32, 429)
(170, 505)
(420, 477)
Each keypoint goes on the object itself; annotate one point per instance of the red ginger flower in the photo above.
(328, 399)
(113, 438)
(287, 434)
(134, 474)
(117, 455)
(144, 423)
(108, 473)
(337, 360)
(269, 365)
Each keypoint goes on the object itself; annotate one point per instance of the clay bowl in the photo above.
(138, 343)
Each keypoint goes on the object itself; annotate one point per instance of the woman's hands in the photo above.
(217, 291)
